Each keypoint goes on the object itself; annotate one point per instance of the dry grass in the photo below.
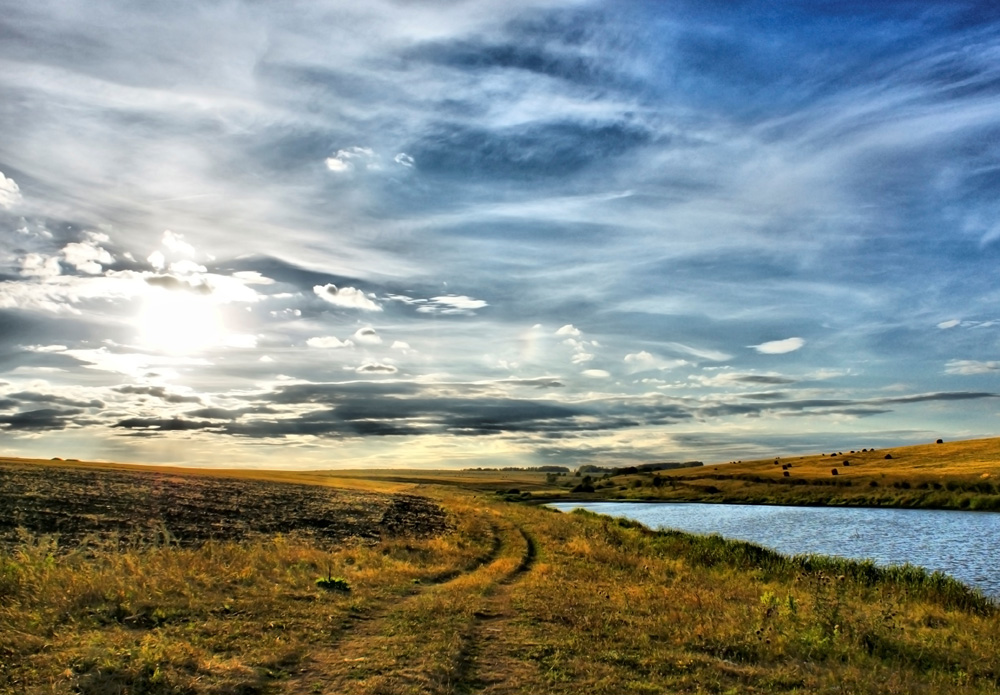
(506, 598)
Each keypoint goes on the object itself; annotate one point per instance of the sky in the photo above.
(496, 233)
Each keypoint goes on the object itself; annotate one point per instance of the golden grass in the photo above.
(510, 598)
(951, 475)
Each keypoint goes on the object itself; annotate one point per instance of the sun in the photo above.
(179, 322)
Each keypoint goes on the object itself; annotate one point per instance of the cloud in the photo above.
(971, 367)
(346, 297)
(569, 329)
(171, 282)
(404, 159)
(328, 342)
(54, 399)
(37, 265)
(87, 256)
(451, 304)
(376, 368)
(642, 361)
(10, 193)
(175, 243)
(596, 373)
(949, 324)
(367, 336)
(352, 157)
(172, 424)
(160, 392)
(39, 420)
(458, 303)
(581, 357)
(705, 354)
(400, 345)
(779, 347)
(157, 260)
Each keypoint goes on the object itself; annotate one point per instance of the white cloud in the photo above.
(367, 336)
(596, 373)
(458, 302)
(10, 193)
(157, 260)
(403, 159)
(445, 304)
(642, 361)
(346, 160)
(252, 277)
(569, 329)
(779, 347)
(581, 357)
(713, 355)
(949, 324)
(968, 367)
(87, 256)
(37, 265)
(328, 342)
(187, 268)
(347, 297)
(400, 345)
(176, 243)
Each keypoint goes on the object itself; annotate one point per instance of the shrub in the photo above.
(333, 584)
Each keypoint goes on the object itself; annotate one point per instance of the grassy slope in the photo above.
(513, 599)
(956, 475)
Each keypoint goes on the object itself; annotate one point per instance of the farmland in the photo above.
(119, 579)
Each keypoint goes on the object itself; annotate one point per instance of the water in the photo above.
(962, 544)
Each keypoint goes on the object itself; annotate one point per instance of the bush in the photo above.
(333, 584)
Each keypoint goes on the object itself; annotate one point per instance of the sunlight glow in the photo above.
(180, 323)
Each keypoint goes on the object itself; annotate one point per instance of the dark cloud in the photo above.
(53, 399)
(171, 282)
(765, 396)
(173, 424)
(376, 368)
(40, 420)
(228, 413)
(158, 392)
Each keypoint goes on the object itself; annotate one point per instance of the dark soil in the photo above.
(94, 506)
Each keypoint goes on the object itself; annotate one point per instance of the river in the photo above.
(961, 544)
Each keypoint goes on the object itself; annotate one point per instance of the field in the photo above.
(956, 475)
(119, 579)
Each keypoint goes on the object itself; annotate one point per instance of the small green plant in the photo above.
(331, 583)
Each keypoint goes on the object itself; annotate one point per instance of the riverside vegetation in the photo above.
(296, 588)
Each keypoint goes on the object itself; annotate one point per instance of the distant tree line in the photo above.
(641, 468)
(540, 469)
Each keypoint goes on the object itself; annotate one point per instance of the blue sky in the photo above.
(496, 233)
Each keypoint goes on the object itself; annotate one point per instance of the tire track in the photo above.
(365, 654)
(483, 655)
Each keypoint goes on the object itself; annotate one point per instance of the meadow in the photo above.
(232, 583)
